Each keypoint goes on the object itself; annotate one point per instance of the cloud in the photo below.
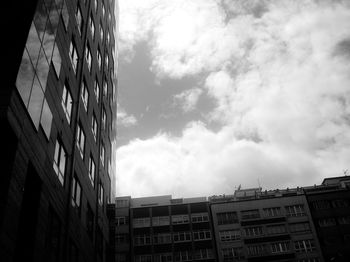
(278, 72)
(188, 99)
(124, 119)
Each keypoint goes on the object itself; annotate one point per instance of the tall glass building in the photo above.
(57, 108)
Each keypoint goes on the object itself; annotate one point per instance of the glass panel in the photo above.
(46, 119)
(65, 15)
(48, 41)
(33, 44)
(36, 102)
(56, 60)
(40, 18)
(78, 194)
(62, 165)
(42, 69)
(25, 77)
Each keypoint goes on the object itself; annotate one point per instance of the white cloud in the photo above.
(124, 119)
(279, 74)
(188, 99)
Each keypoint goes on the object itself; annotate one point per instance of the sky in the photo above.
(213, 94)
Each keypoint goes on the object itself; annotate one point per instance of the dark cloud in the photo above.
(342, 48)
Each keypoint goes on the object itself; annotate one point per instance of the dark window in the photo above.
(227, 218)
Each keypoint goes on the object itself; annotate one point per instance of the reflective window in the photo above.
(94, 126)
(76, 193)
(92, 27)
(201, 235)
(81, 140)
(95, 5)
(56, 60)
(108, 37)
(67, 102)
(84, 94)
(99, 59)
(230, 235)
(104, 118)
(92, 168)
(97, 90)
(101, 32)
(105, 87)
(65, 15)
(304, 246)
(296, 210)
(59, 161)
(101, 195)
(36, 101)
(79, 20)
(46, 119)
(88, 57)
(233, 254)
(103, 10)
(102, 154)
(73, 55)
(106, 61)
(280, 247)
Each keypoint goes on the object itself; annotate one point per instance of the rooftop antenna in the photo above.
(346, 171)
(259, 184)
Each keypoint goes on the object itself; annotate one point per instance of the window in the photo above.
(344, 220)
(321, 204)
(94, 126)
(203, 254)
(101, 195)
(162, 238)
(280, 247)
(253, 231)
(327, 222)
(340, 203)
(105, 87)
(121, 238)
(59, 163)
(299, 227)
(106, 60)
(101, 31)
(92, 170)
(76, 193)
(84, 94)
(122, 203)
(256, 250)
(73, 55)
(201, 235)
(81, 140)
(230, 235)
(304, 246)
(182, 256)
(143, 258)
(97, 90)
(296, 210)
(79, 20)
(120, 221)
(200, 217)
(142, 222)
(182, 236)
(88, 57)
(164, 257)
(108, 37)
(103, 10)
(65, 15)
(180, 219)
(104, 118)
(142, 240)
(102, 154)
(95, 5)
(160, 221)
(92, 26)
(250, 214)
(272, 212)
(313, 259)
(99, 59)
(227, 218)
(232, 254)
(276, 229)
(67, 103)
